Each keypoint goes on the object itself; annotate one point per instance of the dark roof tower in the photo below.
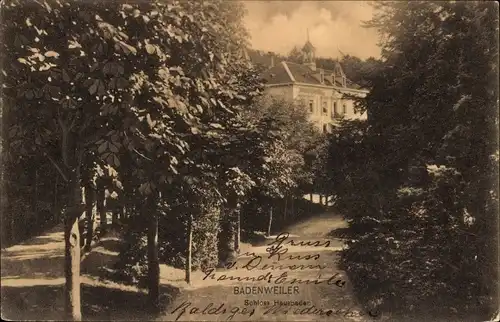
(309, 53)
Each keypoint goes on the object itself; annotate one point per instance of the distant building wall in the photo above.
(324, 104)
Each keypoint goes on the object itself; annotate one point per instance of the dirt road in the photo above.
(290, 277)
(293, 277)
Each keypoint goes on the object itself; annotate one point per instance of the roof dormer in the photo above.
(339, 76)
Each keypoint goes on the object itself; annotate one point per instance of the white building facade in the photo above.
(321, 91)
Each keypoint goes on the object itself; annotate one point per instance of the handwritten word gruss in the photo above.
(277, 247)
(211, 309)
(282, 237)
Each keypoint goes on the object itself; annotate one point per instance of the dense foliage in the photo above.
(143, 99)
(283, 172)
(417, 182)
(269, 147)
(35, 199)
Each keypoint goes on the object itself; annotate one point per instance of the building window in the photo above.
(344, 108)
(311, 106)
(325, 108)
(325, 128)
(336, 110)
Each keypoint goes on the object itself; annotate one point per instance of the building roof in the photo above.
(280, 71)
(302, 74)
(277, 75)
(266, 59)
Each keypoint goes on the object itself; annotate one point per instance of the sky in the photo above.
(278, 26)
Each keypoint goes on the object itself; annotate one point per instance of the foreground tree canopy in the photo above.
(149, 101)
(421, 191)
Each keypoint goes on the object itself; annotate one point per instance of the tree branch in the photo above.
(61, 123)
(84, 126)
(142, 155)
(73, 122)
(57, 167)
(80, 157)
(64, 147)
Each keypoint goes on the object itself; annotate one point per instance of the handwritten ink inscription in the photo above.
(278, 251)
(211, 309)
(277, 268)
(219, 309)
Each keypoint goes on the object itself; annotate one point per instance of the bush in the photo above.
(421, 254)
(132, 266)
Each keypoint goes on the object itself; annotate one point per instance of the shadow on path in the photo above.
(34, 302)
(33, 282)
(99, 303)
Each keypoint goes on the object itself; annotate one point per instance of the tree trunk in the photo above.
(7, 217)
(320, 199)
(89, 207)
(237, 237)
(101, 205)
(226, 236)
(72, 252)
(37, 220)
(3, 185)
(189, 252)
(122, 213)
(311, 197)
(114, 218)
(153, 261)
(56, 201)
(270, 221)
(13, 228)
(284, 213)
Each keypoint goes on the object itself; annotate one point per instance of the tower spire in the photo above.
(308, 53)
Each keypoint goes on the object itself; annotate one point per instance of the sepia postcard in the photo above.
(225, 160)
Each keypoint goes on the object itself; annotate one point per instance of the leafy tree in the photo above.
(295, 55)
(212, 82)
(215, 149)
(277, 165)
(74, 62)
(421, 171)
(46, 67)
(359, 71)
